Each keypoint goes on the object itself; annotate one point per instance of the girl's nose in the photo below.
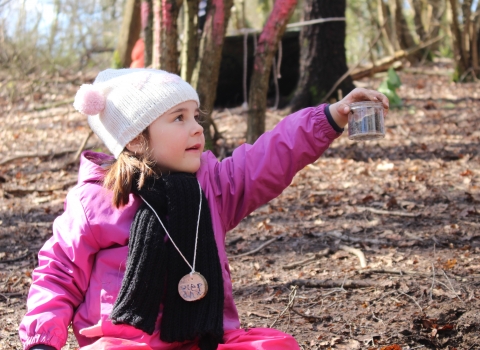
(197, 128)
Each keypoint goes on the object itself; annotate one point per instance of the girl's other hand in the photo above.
(340, 109)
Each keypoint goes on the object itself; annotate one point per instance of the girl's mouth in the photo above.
(194, 147)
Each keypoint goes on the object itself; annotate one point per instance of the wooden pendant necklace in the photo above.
(193, 286)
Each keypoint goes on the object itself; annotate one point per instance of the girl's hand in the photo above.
(340, 109)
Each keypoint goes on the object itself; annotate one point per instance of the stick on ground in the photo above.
(270, 241)
(334, 283)
(357, 252)
(306, 261)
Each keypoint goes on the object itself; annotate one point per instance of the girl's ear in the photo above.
(136, 145)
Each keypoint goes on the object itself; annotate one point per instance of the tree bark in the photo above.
(207, 68)
(460, 49)
(157, 33)
(169, 39)
(54, 26)
(405, 38)
(383, 20)
(147, 14)
(438, 10)
(419, 8)
(266, 49)
(322, 54)
(129, 32)
(189, 53)
(465, 44)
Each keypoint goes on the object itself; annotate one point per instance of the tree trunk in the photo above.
(129, 33)
(392, 23)
(54, 26)
(404, 35)
(190, 39)
(207, 68)
(157, 33)
(169, 39)
(465, 44)
(419, 8)
(322, 54)
(147, 13)
(460, 50)
(438, 10)
(266, 49)
(384, 27)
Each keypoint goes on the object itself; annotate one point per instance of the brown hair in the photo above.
(121, 174)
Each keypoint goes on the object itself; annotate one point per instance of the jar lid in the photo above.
(356, 105)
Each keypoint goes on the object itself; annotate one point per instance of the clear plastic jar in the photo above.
(365, 121)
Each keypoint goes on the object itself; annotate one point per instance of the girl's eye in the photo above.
(179, 118)
(197, 118)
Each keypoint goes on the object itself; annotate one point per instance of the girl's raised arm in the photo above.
(257, 173)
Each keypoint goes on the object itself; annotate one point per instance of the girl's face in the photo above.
(176, 139)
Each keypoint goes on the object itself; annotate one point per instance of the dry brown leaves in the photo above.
(410, 203)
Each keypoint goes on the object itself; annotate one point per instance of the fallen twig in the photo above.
(53, 105)
(338, 234)
(357, 252)
(451, 286)
(38, 155)
(270, 241)
(334, 283)
(7, 296)
(390, 212)
(81, 148)
(306, 261)
(258, 314)
(306, 316)
(394, 272)
(433, 281)
(421, 310)
(16, 259)
(385, 63)
(25, 191)
(235, 240)
(291, 302)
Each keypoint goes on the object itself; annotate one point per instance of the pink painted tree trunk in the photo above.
(266, 48)
(205, 74)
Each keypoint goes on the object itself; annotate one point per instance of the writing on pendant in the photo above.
(191, 291)
(192, 287)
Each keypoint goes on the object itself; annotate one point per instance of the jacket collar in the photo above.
(91, 169)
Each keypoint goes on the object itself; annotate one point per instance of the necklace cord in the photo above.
(171, 240)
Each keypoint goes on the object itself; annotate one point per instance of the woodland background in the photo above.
(374, 246)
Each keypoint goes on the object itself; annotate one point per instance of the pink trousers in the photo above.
(238, 339)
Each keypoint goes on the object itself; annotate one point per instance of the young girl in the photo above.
(137, 260)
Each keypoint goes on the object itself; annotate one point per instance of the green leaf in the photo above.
(393, 79)
(393, 98)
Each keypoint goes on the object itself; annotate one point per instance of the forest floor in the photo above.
(410, 203)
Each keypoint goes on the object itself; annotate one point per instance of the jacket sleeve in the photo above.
(257, 173)
(61, 278)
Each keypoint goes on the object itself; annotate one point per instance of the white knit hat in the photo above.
(122, 103)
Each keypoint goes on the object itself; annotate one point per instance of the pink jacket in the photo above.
(81, 266)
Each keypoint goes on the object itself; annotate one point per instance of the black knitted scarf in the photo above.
(154, 266)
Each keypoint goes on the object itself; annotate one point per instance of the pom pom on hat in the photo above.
(89, 100)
